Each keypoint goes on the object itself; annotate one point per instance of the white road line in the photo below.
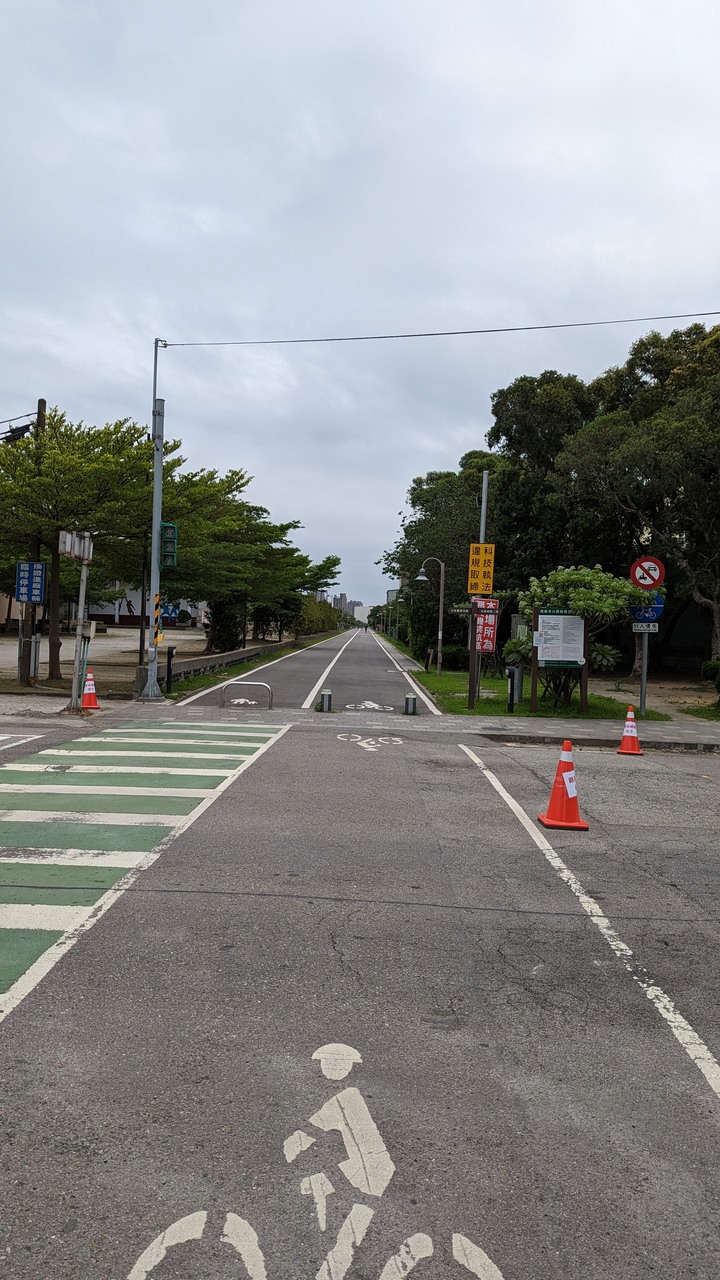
(695, 1048)
(24, 915)
(194, 727)
(75, 858)
(255, 671)
(155, 770)
(177, 740)
(413, 683)
(10, 999)
(19, 741)
(90, 819)
(317, 687)
(57, 789)
(151, 755)
(236, 732)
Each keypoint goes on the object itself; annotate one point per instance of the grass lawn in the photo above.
(450, 693)
(711, 712)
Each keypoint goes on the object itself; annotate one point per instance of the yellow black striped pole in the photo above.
(157, 637)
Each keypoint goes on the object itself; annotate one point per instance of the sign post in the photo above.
(647, 572)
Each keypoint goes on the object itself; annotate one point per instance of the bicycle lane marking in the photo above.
(684, 1033)
(368, 1169)
(69, 849)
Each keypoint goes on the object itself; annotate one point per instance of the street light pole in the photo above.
(152, 688)
(422, 577)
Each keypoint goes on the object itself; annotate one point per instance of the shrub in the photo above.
(710, 670)
(455, 657)
(603, 657)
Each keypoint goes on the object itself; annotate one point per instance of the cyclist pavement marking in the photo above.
(70, 831)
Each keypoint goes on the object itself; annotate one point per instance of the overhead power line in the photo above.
(445, 333)
(19, 417)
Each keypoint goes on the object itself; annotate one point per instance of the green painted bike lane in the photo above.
(77, 818)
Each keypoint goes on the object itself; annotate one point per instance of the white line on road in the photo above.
(161, 755)
(110, 819)
(10, 999)
(413, 683)
(75, 858)
(100, 789)
(317, 687)
(36, 767)
(24, 915)
(19, 741)
(696, 1048)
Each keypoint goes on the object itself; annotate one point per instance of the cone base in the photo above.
(629, 751)
(567, 826)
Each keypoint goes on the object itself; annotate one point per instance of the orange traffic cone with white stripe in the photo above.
(630, 745)
(89, 697)
(563, 809)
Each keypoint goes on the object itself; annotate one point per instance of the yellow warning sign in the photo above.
(481, 567)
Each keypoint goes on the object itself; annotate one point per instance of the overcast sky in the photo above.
(210, 170)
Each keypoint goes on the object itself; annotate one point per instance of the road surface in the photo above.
(518, 1026)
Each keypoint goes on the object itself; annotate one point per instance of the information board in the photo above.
(30, 582)
(560, 639)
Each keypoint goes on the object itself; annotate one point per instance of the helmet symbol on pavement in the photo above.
(336, 1060)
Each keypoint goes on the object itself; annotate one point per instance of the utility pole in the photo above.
(475, 657)
(152, 688)
(29, 611)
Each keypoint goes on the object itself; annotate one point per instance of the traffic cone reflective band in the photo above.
(630, 745)
(563, 809)
(89, 698)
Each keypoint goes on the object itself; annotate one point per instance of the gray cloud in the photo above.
(244, 170)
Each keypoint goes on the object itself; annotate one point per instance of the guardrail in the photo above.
(246, 684)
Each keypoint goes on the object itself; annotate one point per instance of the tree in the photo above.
(660, 473)
(593, 594)
(77, 478)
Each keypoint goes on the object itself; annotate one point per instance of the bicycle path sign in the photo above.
(649, 612)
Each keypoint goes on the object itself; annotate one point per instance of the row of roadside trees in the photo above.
(583, 474)
(70, 476)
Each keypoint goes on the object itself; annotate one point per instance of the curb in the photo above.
(551, 740)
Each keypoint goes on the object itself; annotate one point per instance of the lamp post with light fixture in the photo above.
(422, 577)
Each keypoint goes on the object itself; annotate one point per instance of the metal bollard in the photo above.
(410, 704)
(326, 700)
(510, 673)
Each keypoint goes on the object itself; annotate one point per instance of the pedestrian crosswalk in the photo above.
(80, 820)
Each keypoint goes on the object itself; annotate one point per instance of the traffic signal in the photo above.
(168, 544)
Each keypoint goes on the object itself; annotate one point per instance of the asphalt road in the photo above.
(356, 667)
(538, 1096)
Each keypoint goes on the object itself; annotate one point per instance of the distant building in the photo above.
(321, 596)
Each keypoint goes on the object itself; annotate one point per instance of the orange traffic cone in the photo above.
(563, 809)
(89, 697)
(630, 745)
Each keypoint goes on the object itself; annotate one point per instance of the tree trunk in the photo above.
(715, 649)
(637, 661)
(54, 671)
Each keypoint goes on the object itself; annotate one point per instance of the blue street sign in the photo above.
(649, 612)
(30, 582)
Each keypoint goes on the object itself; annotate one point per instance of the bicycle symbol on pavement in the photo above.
(366, 706)
(368, 1169)
(369, 744)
